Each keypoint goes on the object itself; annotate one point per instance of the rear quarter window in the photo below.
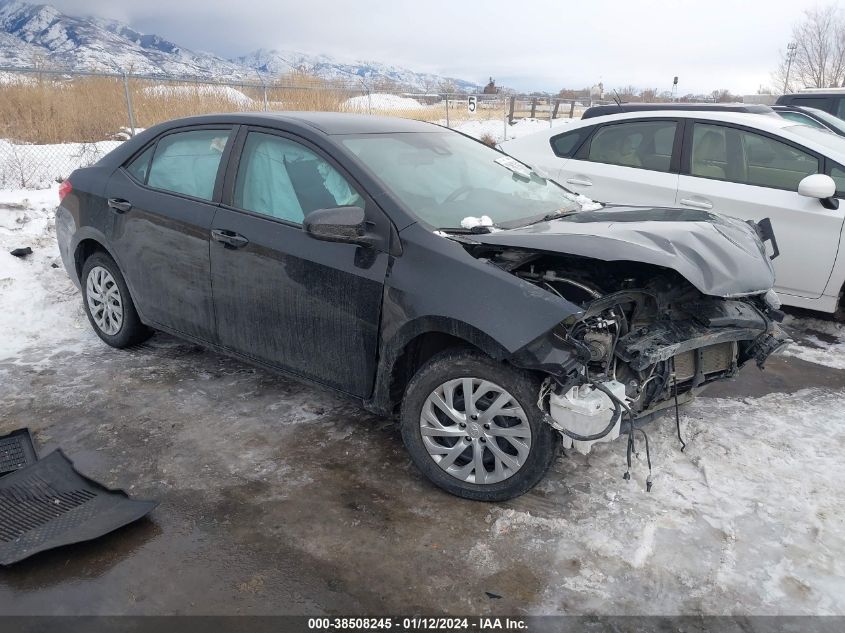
(140, 166)
(565, 145)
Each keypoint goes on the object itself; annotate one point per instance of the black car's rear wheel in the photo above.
(108, 304)
(472, 427)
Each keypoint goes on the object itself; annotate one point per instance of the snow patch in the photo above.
(379, 101)
(224, 93)
(38, 301)
(816, 341)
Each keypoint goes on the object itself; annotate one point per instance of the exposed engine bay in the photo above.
(645, 339)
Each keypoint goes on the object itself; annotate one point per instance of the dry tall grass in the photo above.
(40, 109)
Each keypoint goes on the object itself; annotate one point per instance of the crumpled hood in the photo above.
(719, 255)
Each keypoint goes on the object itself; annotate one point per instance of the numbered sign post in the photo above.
(472, 104)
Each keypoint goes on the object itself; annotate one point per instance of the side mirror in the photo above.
(817, 186)
(339, 224)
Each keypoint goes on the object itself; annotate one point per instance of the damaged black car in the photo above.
(496, 314)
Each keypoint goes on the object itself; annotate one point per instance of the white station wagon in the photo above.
(744, 165)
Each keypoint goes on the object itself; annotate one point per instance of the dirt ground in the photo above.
(279, 497)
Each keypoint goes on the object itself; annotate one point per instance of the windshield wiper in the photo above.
(546, 217)
(476, 230)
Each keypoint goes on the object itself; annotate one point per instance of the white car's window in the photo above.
(823, 137)
(565, 145)
(739, 156)
(832, 122)
(709, 152)
(838, 175)
(797, 117)
(644, 144)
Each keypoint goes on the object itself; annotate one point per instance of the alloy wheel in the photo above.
(104, 301)
(475, 430)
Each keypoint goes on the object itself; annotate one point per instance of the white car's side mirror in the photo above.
(817, 186)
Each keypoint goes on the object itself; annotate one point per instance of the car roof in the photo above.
(594, 111)
(740, 118)
(816, 92)
(326, 122)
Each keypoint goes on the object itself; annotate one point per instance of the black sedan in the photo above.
(496, 314)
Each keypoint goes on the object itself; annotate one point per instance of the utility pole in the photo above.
(791, 50)
(130, 110)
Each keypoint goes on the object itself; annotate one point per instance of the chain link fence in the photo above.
(52, 122)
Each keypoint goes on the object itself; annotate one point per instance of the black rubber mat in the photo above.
(48, 504)
(16, 451)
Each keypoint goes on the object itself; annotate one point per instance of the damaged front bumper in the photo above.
(652, 365)
(715, 324)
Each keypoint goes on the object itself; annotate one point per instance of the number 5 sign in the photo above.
(472, 103)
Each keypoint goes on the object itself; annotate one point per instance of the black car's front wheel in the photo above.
(472, 426)
(108, 305)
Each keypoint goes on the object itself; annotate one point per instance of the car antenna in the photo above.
(618, 100)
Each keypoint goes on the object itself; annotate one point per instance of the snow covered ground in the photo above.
(499, 131)
(39, 166)
(38, 303)
(817, 341)
(750, 519)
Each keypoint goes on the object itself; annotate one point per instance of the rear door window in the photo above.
(187, 162)
(644, 144)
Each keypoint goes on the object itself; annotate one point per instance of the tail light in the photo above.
(64, 189)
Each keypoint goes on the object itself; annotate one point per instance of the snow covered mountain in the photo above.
(39, 34)
(275, 62)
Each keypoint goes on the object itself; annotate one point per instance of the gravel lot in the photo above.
(280, 497)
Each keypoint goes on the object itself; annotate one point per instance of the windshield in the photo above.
(833, 121)
(446, 178)
(823, 137)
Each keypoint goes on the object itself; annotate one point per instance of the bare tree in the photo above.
(722, 95)
(447, 86)
(819, 55)
(650, 95)
(626, 93)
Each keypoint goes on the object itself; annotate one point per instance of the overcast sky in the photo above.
(532, 45)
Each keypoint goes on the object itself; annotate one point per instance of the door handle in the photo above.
(119, 205)
(697, 204)
(229, 239)
(579, 181)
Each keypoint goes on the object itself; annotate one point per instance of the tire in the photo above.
(442, 379)
(100, 278)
